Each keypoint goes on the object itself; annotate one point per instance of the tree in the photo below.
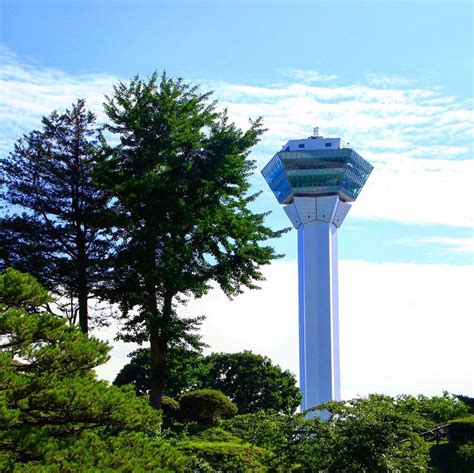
(374, 434)
(252, 381)
(179, 179)
(184, 368)
(48, 178)
(435, 410)
(53, 412)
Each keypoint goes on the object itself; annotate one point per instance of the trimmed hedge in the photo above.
(205, 406)
(228, 457)
(461, 430)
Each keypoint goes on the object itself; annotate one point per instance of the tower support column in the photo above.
(318, 313)
(317, 220)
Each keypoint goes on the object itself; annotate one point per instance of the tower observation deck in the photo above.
(316, 179)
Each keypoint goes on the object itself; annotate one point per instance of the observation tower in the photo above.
(316, 179)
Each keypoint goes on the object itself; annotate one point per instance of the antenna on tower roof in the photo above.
(315, 132)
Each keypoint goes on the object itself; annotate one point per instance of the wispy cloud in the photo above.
(419, 139)
(387, 81)
(455, 245)
(310, 76)
(28, 92)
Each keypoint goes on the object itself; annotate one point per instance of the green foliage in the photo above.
(205, 406)
(228, 456)
(198, 465)
(452, 457)
(462, 422)
(469, 401)
(55, 226)
(374, 435)
(436, 410)
(19, 290)
(206, 433)
(462, 429)
(170, 412)
(297, 444)
(99, 451)
(53, 411)
(184, 369)
(252, 382)
(179, 177)
(466, 454)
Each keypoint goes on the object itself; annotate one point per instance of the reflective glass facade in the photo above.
(317, 172)
(275, 176)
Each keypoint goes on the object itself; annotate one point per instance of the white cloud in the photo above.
(381, 80)
(310, 76)
(419, 140)
(405, 328)
(449, 244)
(27, 93)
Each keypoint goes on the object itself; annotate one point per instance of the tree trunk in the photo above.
(82, 282)
(159, 349)
(83, 297)
(159, 337)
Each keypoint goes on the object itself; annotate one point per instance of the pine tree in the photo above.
(55, 212)
(54, 414)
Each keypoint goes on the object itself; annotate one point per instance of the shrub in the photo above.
(228, 457)
(452, 457)
(466, 455)
(205, 406)
(462, 429)
(170, 410)
(98, 451)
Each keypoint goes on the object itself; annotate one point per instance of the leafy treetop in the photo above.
(179, 178)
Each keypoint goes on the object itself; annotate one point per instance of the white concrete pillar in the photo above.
(317, 221)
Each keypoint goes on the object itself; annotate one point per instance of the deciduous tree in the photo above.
(252, 381)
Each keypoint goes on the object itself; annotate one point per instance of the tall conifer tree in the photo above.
(180, 182)
(55, 212)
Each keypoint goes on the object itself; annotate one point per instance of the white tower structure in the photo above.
(316, 179)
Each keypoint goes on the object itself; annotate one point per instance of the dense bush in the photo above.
(101, 452)
(170, 411)
(228, 457)
(452, 457)
(462, 429)
(432, 411)
(205, 406)
(367, 434)
(251, 381)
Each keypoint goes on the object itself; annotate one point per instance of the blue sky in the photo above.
(392, 78)
(246, 40)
